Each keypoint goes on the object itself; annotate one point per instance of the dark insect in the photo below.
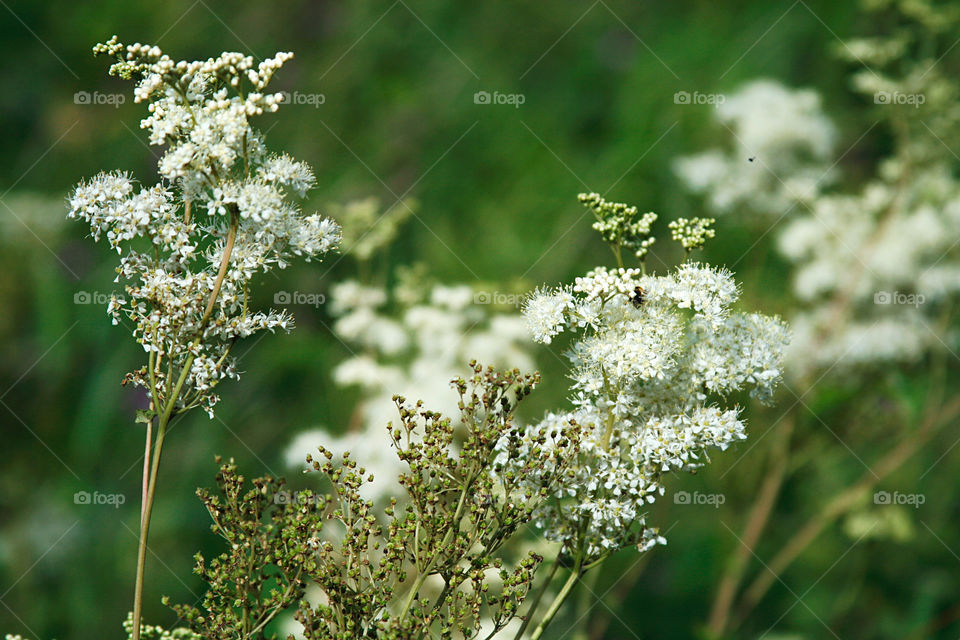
(637, 298)
(752, 159)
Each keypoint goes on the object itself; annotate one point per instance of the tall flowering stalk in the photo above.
(189, 246)
(655, 360)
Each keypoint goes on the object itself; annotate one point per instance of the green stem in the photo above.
(145, 529)
(164, 419)
(583, 606)
(537, 598)
(561, 597)
(447, 539)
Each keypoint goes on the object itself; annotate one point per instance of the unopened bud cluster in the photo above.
(621, 225)
(429, 565)
(692, 233)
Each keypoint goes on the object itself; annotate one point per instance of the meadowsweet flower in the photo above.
(656, 357)
(544, 313)
(222, 214)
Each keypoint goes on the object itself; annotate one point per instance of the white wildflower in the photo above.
(221, 192)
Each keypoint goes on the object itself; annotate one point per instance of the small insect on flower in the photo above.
(638, 296)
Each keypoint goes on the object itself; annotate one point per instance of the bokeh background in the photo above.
(496, 187)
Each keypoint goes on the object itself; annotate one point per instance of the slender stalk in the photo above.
(145, 529)
(756, 523)
(448, 538)
(840, 504)
(224, 263)
(558, 601)
(537, 598)
(621, 590)
(148, 441)
(164, 419)
(583, 606)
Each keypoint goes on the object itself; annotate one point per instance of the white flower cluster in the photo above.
(190, 245)
(413, 347)
(656, 358)
(874, 263)
(782, 148)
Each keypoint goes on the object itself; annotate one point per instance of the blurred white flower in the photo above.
(782, 146)
(413, 349)
(874, 264)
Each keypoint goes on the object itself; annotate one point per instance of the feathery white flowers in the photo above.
(657, 356)
(190, 245)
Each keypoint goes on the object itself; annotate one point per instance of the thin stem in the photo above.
(224, 264)
(621, 590)
(148, 440)
(561, 597)
(164, 419)
(146, 471)
(840, 504)
(448, 538)
(756, 523)
(537, 598)
(583, 606)
(145, 529)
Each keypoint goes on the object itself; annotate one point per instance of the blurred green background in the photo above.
(496, 186)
